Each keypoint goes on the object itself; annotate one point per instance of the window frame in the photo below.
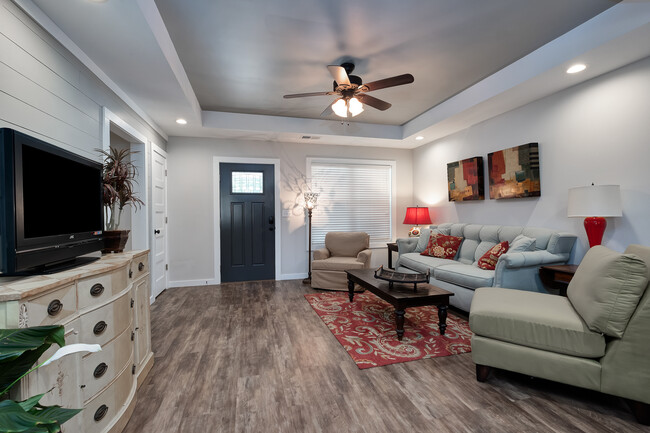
(352, 161)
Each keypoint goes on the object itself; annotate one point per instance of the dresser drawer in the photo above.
(139, 266)
(98, 369)
(59, 377)
(52, 308)
(98, 288)
(105, 323)
(99, 412)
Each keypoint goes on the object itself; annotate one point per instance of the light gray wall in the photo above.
(47, 93)
(598, 131)
(191, 192)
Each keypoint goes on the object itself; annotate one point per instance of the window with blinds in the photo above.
(354, 196)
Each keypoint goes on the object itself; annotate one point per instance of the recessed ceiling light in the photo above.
(419, 137)
(181, 121)
(579, 67)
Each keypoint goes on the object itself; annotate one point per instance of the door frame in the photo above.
(161, 151)
(217, 209)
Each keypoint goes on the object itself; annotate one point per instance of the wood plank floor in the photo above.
(255, 357)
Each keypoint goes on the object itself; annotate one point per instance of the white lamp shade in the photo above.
(595, 201)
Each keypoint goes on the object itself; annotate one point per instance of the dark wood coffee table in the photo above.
(402, 296)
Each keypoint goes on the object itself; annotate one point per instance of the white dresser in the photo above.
(105, 302)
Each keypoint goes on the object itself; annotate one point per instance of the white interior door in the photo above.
(159, 220)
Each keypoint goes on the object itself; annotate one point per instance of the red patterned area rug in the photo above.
(366, 329)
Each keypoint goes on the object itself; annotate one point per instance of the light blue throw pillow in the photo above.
(522, 243)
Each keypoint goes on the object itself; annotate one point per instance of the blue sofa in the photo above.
(515, 270)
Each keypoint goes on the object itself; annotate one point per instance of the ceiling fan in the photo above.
(353, 93)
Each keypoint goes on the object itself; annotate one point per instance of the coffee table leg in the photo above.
(442, 316)
(399, 320)
(351, 289)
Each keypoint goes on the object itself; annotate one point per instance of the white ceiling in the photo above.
(224, 65)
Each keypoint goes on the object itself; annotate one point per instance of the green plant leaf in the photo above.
(21, 348)
(61, 414)
(13, 418)
(28, 404)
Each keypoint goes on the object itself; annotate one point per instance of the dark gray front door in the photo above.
(247, 222)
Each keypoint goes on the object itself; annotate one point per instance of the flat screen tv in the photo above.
(50, 206)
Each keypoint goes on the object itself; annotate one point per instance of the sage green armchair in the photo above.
(598, 337)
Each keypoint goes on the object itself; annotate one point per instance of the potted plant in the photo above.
(119, 176)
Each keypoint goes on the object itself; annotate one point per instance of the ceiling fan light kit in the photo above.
(352, 93)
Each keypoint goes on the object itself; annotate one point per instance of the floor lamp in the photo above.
(310, 203)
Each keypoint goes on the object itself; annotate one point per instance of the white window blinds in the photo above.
(353, 197)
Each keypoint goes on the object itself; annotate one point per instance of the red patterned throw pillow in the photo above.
(442, 246)
(489, 260)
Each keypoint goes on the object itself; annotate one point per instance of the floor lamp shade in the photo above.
(417, 216)
(594, 203)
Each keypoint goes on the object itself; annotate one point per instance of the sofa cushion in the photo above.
(489, 260)
(469, 276)
(346, 244)
(483, 248)
(420, 263)
(521, 244)
(606, 289)
(530, 319)
(442, 246)
(336, 264)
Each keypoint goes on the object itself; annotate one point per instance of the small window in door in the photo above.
(247, 182)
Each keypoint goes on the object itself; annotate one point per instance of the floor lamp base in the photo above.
(306, 281)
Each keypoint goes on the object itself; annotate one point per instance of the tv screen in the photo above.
(51, 209)
(59, 196)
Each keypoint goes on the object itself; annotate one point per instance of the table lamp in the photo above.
(594, 203)
(416, 216)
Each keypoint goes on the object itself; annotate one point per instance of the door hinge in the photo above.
(166, 267)
(165, 172)
(166, 220)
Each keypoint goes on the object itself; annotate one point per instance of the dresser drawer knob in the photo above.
(96, 290)
(140, 266)
(54, 308)
(100, 327)
(100, 370)
(101, 412)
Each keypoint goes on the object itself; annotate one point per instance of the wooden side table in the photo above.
(557, 277)
(392, 246)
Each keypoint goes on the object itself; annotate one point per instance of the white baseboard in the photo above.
(190, 283)
(292, 277)
(212, 281)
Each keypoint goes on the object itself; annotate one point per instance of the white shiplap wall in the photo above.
(47, 93)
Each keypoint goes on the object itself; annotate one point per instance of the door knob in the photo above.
(156, 232)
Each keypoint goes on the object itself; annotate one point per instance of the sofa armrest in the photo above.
(406, 245)
(364, 257)
(531, 258)
(321, 254)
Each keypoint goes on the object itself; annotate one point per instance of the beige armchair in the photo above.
(343, 251)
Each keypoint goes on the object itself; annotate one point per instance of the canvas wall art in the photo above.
(514, 172)
(465, 179)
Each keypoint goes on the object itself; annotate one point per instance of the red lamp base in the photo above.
(595, 227)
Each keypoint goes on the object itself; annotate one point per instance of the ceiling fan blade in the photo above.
(339, 74)
(327, 111)
(302, 95)
(373, 102)
(389, 82)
